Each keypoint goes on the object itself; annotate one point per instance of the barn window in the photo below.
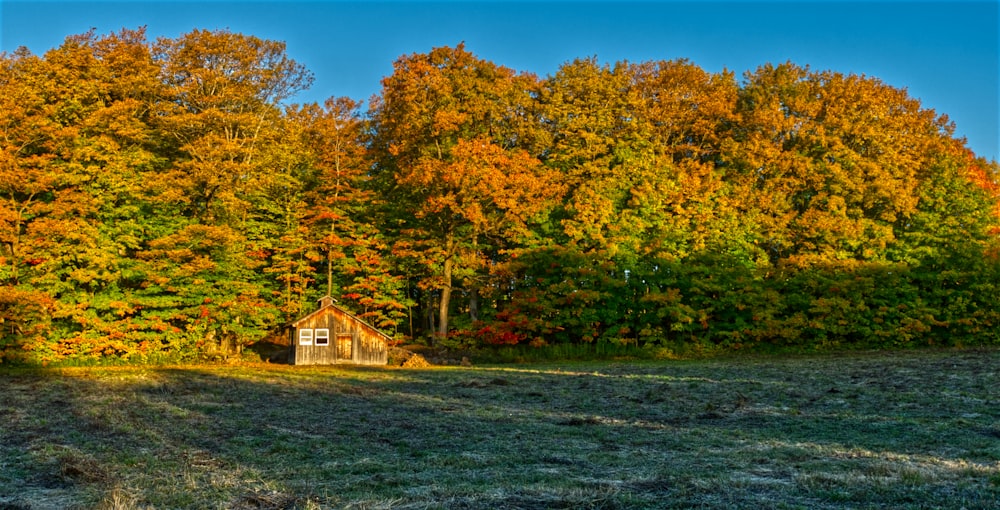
(305, 337)
(323, 337)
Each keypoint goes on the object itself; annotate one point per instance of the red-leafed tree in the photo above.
(342, 238)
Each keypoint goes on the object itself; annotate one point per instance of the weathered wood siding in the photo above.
(347, 340)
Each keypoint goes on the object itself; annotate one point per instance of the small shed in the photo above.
(332, 335)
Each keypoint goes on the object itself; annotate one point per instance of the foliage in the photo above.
(163, 199)
(449, 137)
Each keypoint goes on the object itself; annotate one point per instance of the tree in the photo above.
(679, 204)
(829, 163)
(340, 232)
(221, 128)
(448, 135)
(595, 148)
(222, 113)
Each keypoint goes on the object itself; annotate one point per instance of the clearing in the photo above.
(864, 430)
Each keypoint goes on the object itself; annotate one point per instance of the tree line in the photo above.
(165, 199)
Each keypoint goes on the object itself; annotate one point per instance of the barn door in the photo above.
(344, 346)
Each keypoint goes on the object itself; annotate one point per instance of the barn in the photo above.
(332, 335)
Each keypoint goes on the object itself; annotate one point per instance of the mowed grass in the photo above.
(872, 430)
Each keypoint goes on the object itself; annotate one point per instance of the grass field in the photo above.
(872, 430)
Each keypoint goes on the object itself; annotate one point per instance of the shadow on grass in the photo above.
(820, 433)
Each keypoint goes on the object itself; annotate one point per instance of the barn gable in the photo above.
(333, 335)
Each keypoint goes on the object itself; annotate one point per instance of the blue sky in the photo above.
(945, 53)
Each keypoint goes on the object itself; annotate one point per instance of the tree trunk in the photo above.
(329, 270)
(449, 263)
(474, 304)
(445, 298)
(428, 317)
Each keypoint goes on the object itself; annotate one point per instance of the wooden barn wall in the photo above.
(368, 346)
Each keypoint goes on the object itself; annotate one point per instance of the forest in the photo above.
(161, 200)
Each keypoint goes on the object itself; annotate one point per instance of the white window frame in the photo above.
(321, 334)
(305, 336)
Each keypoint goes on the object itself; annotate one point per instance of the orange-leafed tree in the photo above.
(222, 129)
(341, 237)
(25, 154)
(679, 204)
(221, 116)
(74, 153)
(334, 135)
(829, 164)
(986, 175)
(449, 138)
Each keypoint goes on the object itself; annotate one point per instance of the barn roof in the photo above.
(327, 302)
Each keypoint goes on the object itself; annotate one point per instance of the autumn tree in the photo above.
(161, 199)
(830, 163)
(637, 146)
(586, 112)
(89, 99)
(448, 135)
(222, 129)
(682, 203)
(25, 183)
(25, 153)
(223, 109)
(342, 237)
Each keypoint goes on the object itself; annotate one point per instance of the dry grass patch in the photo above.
(901, 430)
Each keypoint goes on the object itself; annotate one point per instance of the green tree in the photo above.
(222, 129)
